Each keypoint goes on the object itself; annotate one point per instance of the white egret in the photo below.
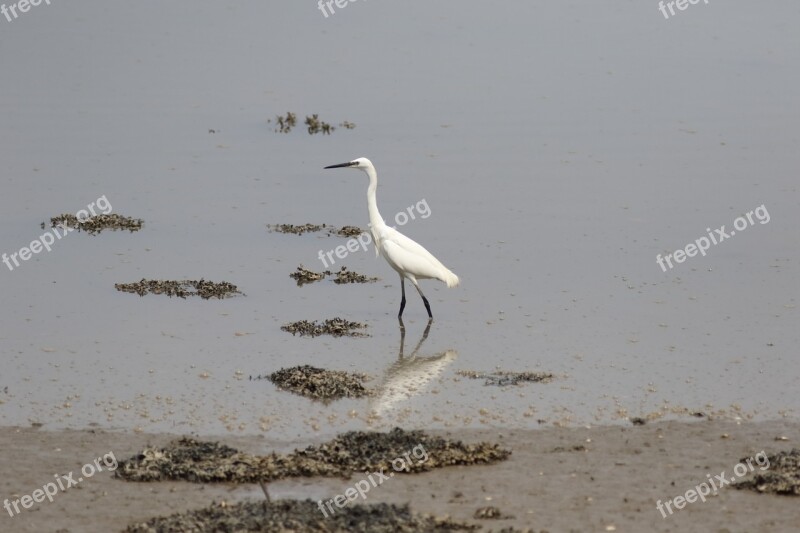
(409, 259)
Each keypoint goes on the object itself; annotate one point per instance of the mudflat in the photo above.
(606, 478)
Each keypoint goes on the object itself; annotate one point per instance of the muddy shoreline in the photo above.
(606, 478)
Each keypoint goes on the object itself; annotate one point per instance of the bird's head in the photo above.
(361, 162)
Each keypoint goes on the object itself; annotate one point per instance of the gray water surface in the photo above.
(560, 147)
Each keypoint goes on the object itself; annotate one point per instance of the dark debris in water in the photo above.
(299, 229)
(296, 229)
(347, 276)
(373, 451)
(782, 476)
(96, 224)
(302, 276)
(355, 451)
(502, 378)
(573, 448)
(490, 513)
(349, 231)
(321, 384)
(313, 124)
(338, 327)
(285, 124)
(181, 289)
(300, 515)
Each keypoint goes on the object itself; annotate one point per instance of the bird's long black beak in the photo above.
(340, 165)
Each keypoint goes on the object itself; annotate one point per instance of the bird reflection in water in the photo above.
(409, 375)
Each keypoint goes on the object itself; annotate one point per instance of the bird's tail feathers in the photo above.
(450, 279)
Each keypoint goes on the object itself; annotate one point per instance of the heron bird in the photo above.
(409, 259)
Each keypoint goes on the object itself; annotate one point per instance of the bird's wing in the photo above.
(377, 237)
(405, 255)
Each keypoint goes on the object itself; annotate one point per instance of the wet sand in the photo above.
(558, 479)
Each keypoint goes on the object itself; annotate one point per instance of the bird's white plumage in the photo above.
(411, 260)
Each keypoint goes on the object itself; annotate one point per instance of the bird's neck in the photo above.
(375, 218)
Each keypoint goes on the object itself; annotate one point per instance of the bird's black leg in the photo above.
(425, 301)
(427, 306)
(403, 301)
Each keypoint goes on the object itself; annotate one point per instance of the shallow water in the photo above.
(559, 146)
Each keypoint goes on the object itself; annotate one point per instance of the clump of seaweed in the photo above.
(344, 231)
(315, 125)
(347, 276)
(355, 451)
(349, 231)
(490, 513)
(502, 378)
(181, 289)
(97, 223)
(321, 384)
(782, 476)
(285, 124)
(300, 515)
(338, 327)
(302, 275)
(297, 230)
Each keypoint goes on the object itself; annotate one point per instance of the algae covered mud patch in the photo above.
(97, 223)
(355, 451)
(313, 124)
(344, 231)
(338, 327)
(503, 378)
(302, 276)
(782, 477)
(300, 515)
(320, 384)
(181, 289)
